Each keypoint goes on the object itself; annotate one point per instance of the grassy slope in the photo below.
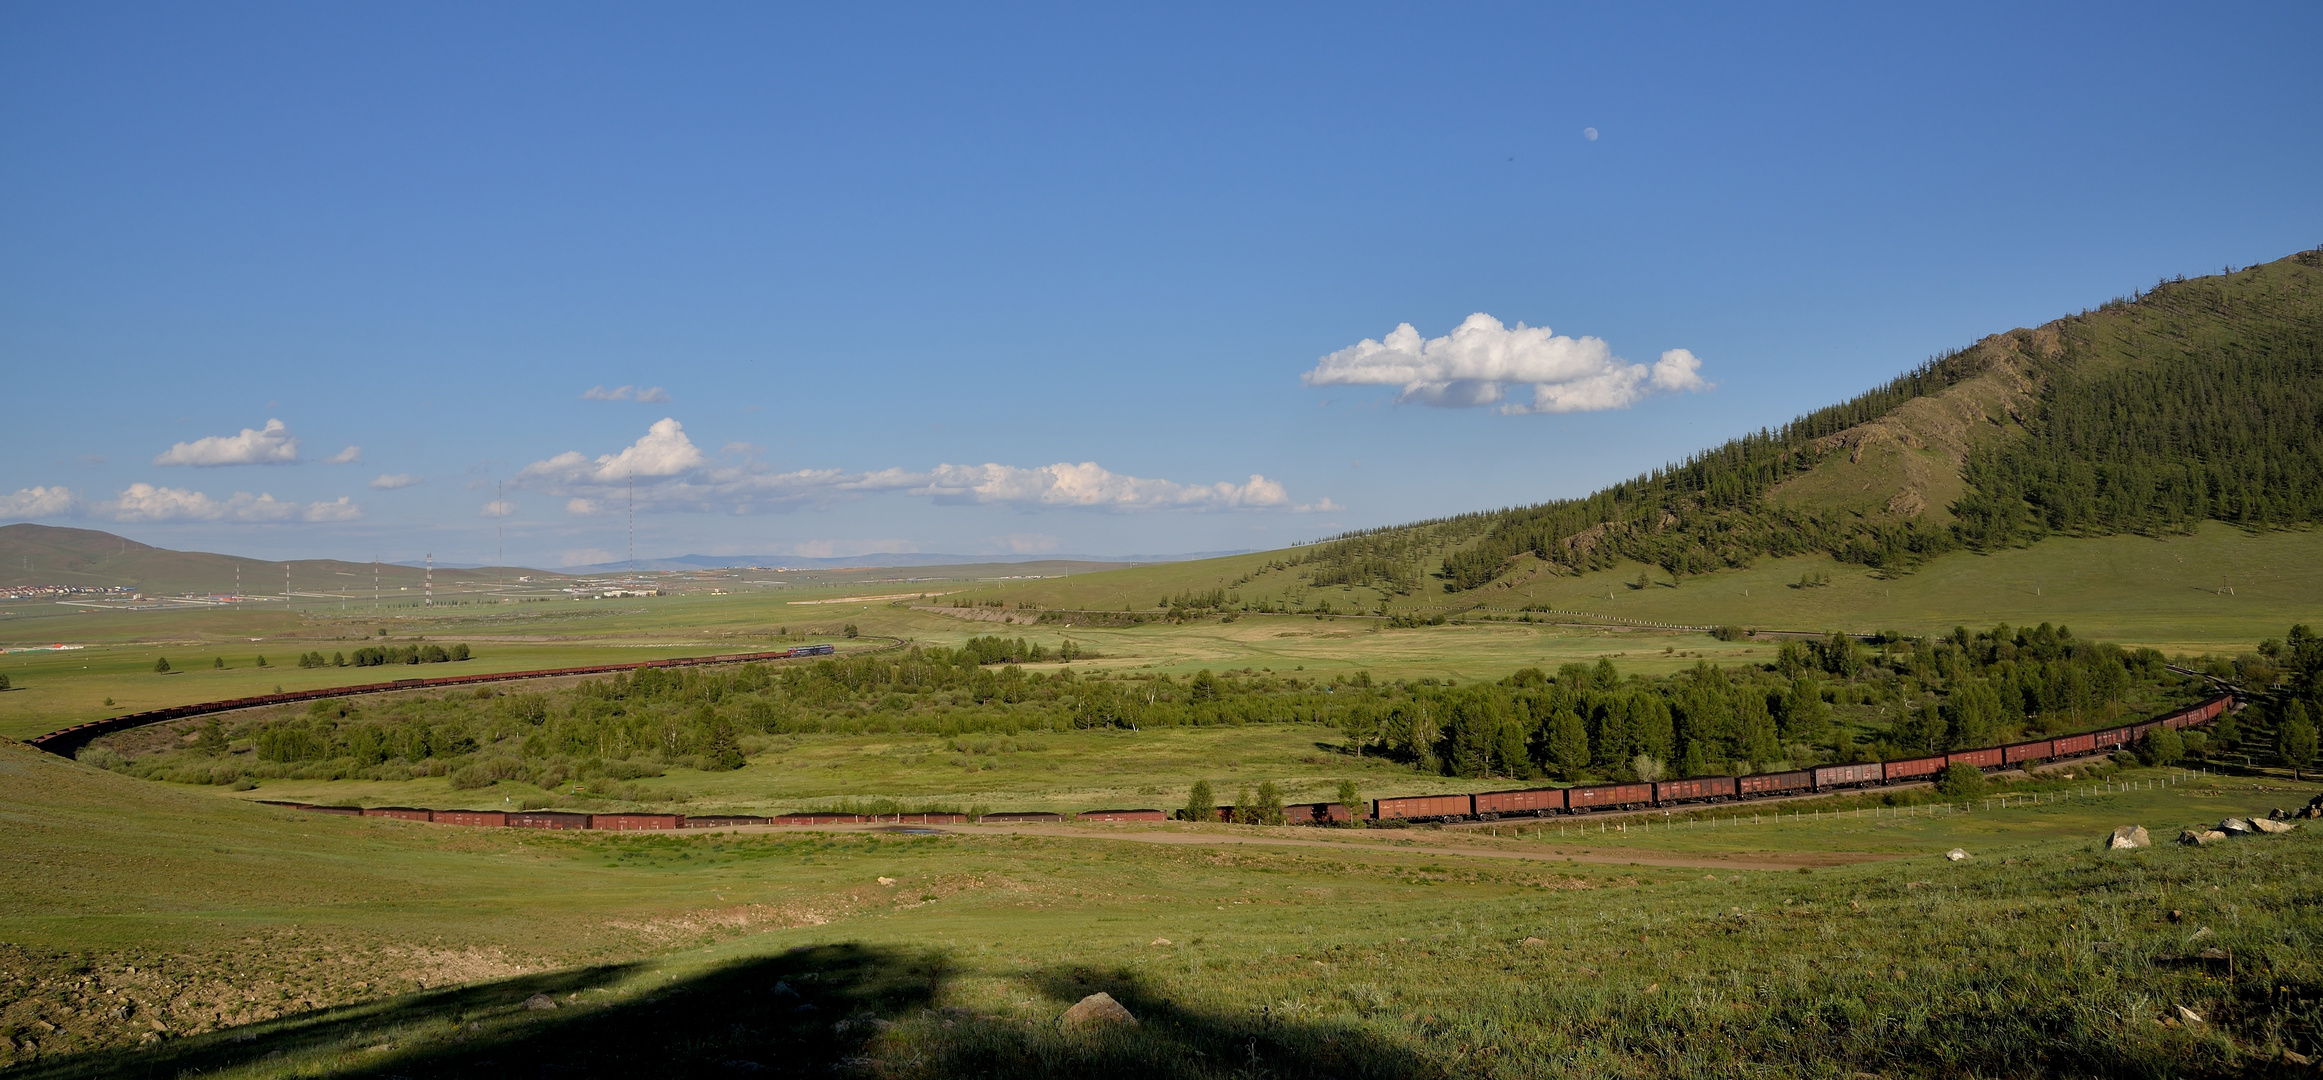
(664, 952)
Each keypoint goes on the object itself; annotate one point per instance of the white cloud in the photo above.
(1323, 505)
(342, 510)
(1088, 485)
(651, 395)
(272, 445)
(664, 451)
(498, 508)
(145, 502)
(391, 481)
(672, 472)
(35, 502)
(1482, 361)
(349, 456)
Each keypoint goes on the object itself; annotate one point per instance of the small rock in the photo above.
(2206, 836)
(2269, 825)
(1956, 854)
(1097, 1008)
(2211, 954)
(1161, 941)
(2130, 836)
(2236, 825)
(887, 881)
(1533, 943)
(2189, 1015)
(540, 1001)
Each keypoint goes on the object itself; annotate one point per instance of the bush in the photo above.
(2161, 746)
(1730, 633)
(1960, 780)
(101, 757)
(1201, 805)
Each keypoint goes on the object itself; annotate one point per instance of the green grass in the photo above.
(250, 929)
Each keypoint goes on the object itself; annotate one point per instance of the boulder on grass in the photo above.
(1956, 854)
(2236, 825)
(2129, 836)
(2204, 836)
(1097, 1008)
(2269, 825)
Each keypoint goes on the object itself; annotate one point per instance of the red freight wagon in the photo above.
(720, 821)
(1839, 776)
(1136, 815)
(547, 819)
(2040, 750)
(406, 813)
(636, 822)
(1986, 758)
(1774, 783)
(1023, 815)
(1316, 814)
(1917, 768)
(815, 819)
(2112, 737)
(1539, 802)
(1418, 807)
(1697, 789)
(925, 819)
(1608, 796)
(492, 818)
(2073, 745)
(350, 811)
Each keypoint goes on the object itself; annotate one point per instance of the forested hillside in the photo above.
(2198, 400)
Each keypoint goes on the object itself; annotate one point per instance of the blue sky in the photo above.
(1073, 278)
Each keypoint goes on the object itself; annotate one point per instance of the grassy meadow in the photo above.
(167, 932)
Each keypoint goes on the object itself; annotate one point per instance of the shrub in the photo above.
(1960, 780)
(1201, 805)
(1729, 632)
(161, 666)
(2161, 746)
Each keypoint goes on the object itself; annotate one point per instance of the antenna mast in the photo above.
(500, 496)
(633, 523)
(428, 583)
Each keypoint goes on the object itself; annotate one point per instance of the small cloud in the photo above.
(1323, 505)
(146, 502)
(349, 456)
(35, 502)
(391, 481)
(1092, 486)
(271, 445)
(652, 395)
(583, 507)
(342, 510)
(499, 508)
(1589, 134)
(664, 451)
(1481, 362)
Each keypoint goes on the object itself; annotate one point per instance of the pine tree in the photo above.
(1201, 805)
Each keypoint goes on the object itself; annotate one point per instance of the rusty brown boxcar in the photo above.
(2112, 738)
(1524, 802)
(1022, 816)
(491, 818)
(2065, 746)
(1608, 797)
(1320, 813)
(721, 821)
(1774, 783)
(1986, 758)
(404, 813)
(1423, 808)
(1129, 815)
(919, 819)
(547, 819)
(1695, 789)
(636, 822)
(1846, 776)
(1918, 768)
(815, 819)
(2036, 750)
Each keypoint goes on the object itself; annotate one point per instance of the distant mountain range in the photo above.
(874, 560)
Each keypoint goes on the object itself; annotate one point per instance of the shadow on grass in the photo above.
(820, 1011)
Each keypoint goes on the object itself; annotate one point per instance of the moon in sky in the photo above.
(1589, 134)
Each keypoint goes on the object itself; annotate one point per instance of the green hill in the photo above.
(47, 555)
(2198, 401)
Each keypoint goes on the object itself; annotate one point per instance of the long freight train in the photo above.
(1586, 798)
(68, 741)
